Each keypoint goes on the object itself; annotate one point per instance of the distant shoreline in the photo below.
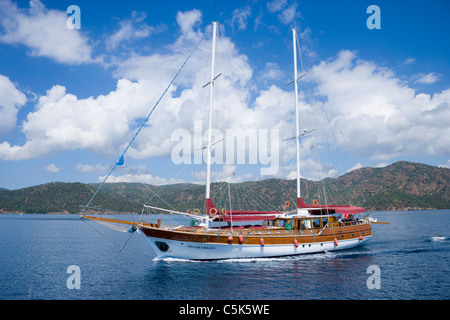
(131, 213)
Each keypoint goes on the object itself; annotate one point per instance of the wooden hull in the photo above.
(200, 245)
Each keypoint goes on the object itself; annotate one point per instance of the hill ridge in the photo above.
(400, 186)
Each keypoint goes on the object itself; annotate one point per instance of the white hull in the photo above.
(211, 251)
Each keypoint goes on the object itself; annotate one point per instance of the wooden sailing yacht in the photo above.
(253, 234)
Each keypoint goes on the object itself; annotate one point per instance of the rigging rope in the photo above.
(121, 159)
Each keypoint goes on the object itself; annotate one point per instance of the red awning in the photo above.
(246, 217)
(336, 208)
(240, 215)
(345, 209)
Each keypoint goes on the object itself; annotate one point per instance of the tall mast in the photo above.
(211, 90)
(297, 125)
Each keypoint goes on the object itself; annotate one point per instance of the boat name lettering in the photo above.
(201, 247)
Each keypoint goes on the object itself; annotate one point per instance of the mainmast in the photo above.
(297, 124)
(211, 90)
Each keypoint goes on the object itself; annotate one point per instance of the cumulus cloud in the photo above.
(52, 168)
(11, 100)
(44, 32)
(61, 121)
(356, 166)
(380, 114)
(187, 20)
(142, 178)
(104, 124)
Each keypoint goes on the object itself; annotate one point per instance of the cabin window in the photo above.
(306, 224)
(316, 223)
(324, 222)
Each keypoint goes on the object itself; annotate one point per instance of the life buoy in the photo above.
(196, 212)
(224, 212)
(315, 202)
(213, 211)
(287, 204)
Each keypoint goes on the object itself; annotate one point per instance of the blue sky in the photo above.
(70, 100)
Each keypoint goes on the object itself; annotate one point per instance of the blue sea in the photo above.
(38, 252)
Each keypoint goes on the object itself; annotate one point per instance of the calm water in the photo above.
(36, 250)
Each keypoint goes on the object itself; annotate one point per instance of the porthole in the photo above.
(164, 247)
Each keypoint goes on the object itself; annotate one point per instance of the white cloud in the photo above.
(409, 61)
(272, 71)
(187, 21)
(228, 173)
(356, 166)
(288, 15)
(142, 178)
(428, 78)
(88, 168)
(11, 99)
(378, 113)
(106, 123)
(445, 165)
(276, 5)
(52, 168)
(313, 170)
(240, 16)
(132, 29)
(61, 121)
(44, 32)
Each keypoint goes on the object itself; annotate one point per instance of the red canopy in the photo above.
(336, 208)
(344, 209)
(248, 215)
(240, 215)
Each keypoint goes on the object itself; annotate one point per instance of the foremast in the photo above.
(300, 203)
(208, 203)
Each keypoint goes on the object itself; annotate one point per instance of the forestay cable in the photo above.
(121, 162)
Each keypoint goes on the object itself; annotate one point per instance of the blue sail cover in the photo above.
(121, 161)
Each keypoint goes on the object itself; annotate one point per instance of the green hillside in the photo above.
(400, 186)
